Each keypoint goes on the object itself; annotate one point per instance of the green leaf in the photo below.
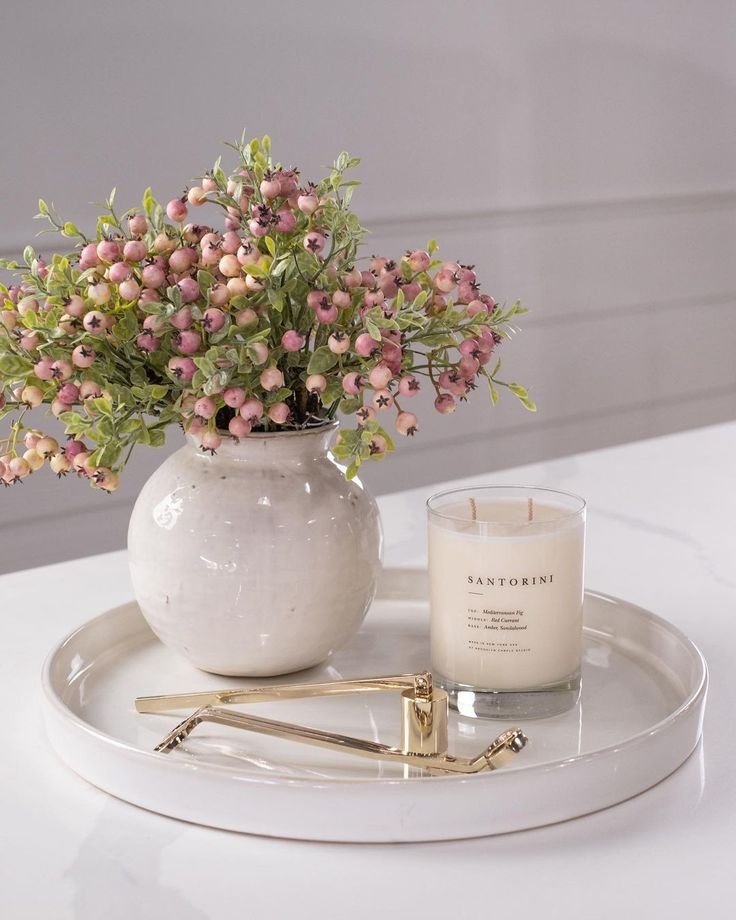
(372, 329)
(270, 244)
(13, 366)
(205, 280)
(322, 360)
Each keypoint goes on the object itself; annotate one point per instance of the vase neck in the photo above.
(272, 448)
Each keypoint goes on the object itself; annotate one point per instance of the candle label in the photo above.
(513, 631)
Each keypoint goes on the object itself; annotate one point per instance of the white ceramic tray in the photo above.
(640, 716)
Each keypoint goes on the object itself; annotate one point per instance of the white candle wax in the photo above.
(506, 593)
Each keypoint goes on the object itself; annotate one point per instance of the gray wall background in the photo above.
(582, 154)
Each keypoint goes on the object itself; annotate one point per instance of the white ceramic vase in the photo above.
(259, 560)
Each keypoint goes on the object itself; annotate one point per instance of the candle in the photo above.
(506, 598)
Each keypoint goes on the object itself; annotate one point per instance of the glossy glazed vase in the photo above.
(259, 560)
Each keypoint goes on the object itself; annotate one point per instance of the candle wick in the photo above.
(473, 510)
(530, 509)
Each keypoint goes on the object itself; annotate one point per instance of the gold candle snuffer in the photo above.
(424, 714)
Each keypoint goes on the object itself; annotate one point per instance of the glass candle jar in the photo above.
(506, 599)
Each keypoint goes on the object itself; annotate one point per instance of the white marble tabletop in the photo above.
(662, 533)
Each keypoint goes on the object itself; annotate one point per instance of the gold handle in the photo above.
(497, 753)
(421, 683)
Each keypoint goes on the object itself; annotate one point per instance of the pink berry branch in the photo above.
(266, 324)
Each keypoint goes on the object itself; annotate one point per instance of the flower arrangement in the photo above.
(267, 325)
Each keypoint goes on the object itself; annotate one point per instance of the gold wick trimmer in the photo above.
(424, 711)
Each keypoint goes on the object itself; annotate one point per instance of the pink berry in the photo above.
(444, 281)
(182, 368)
(43, 369)
(60, 464)
(409, 386)
(338, 343)
(32, 396)
(341, 299)
(365, 414)
(253, 284)
(252, 410)
(47, 447)
(182, 319)
(213, 319)
(119, 272)
(246, 317)
(210, 441)
(411, 291)
(466, 293)
(181, 260)
(382, 399)
(19, 468)
(62, 369)
(406, 423)
(72, 448)
(88, 389)
(317, 299)
(148, 342)
(148, 295)
(418, 260)
(378, 445)
(270, 188)
(316, 383)
(88, 256)
(75, 306)
(138, 225)
(468, 366)
(279, 413)
(258, 227)
(196, 195)
(108, 251)
(230, 242)
(380, 376)
(205, 407)
(366, 345)
(219, 295)
(239, 427)
(292, 340)
(445, 404)
(352, 278)
(68, 394)
(229, 266)
(99, 293)
(326, 314)
(315, 241)
(188, 342)
(353, 383)
(234, 397)
(285, 220)
(271, 379)
(176, 210)
(307, 203)
(248, 253)
(129, 290)
(259, 352)
(374, 298)
(189, 289)
(152, 276)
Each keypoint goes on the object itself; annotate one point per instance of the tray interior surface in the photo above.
(636, 673)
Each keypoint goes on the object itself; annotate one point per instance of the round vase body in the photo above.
(258, 560)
